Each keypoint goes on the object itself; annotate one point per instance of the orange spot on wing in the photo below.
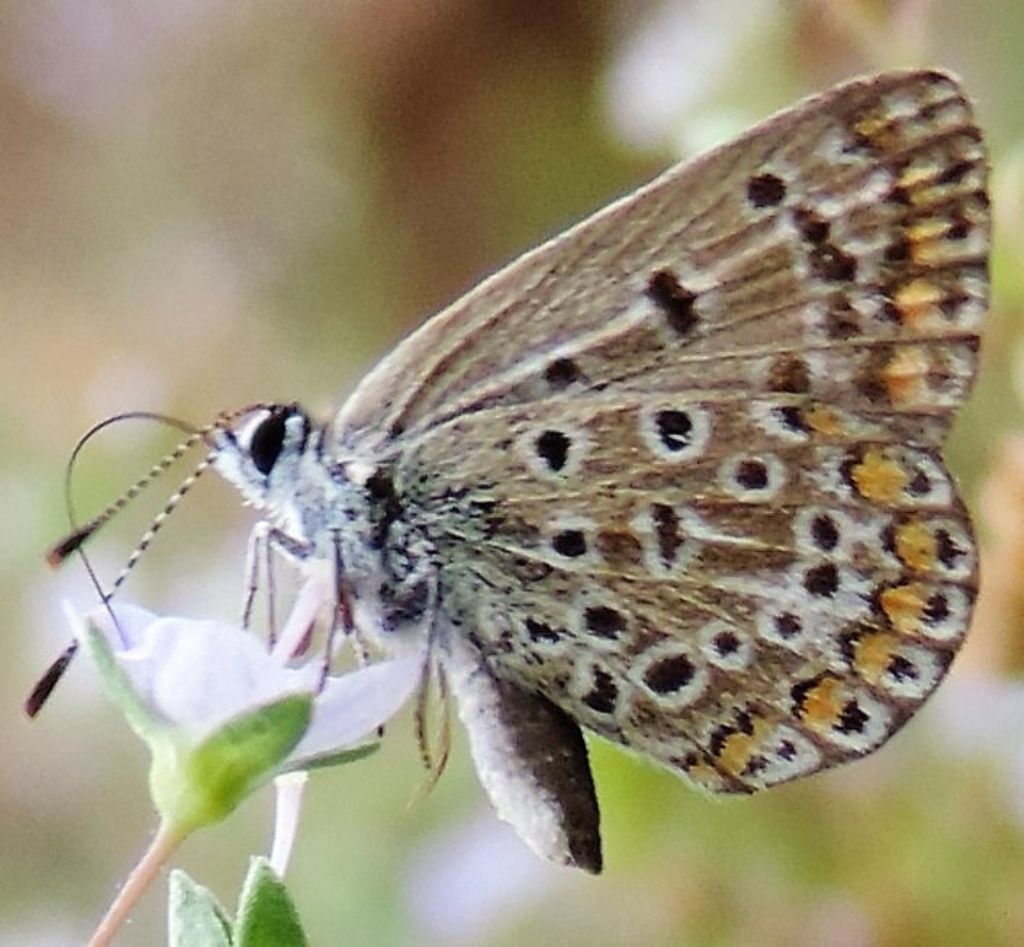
(903, 606)
(918, 301)
(927, 196)
(739, 747)
(878, 478)
(822, 704)
(879, 130)
(916, 174)
(916, 546)
(705, 776)
(905, 376)
(928, 229)
(872, 654)
(928, 243)
(823, 420)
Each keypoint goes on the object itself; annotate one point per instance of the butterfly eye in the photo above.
(268, 439)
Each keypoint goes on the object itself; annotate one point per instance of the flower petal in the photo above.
(197, 674)
(354, 705)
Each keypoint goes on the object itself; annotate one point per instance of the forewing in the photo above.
(838, 248)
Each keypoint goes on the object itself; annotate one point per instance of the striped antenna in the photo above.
(158, 521)
(51, 676)
(78, 535)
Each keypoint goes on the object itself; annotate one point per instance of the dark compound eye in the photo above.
(268, 439)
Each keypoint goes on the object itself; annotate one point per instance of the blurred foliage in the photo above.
(207, 203)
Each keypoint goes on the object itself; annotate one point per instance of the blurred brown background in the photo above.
(206, 203)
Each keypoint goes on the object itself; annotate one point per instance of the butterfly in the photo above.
(675, 476)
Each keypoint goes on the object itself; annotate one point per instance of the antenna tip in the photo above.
(61, 550)
(45, 685)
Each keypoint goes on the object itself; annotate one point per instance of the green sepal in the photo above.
(201, 785)
(266, 914)
(119, 688)
(333, 759)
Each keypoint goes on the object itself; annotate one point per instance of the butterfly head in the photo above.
(263, 453)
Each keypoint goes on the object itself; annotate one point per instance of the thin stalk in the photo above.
(164, 844)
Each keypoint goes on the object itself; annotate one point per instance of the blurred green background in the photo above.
(206, 203)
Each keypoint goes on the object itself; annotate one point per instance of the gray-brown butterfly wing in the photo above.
(853, 221)
(681, 464)
(768, 600)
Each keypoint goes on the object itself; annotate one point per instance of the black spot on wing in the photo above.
(673, 299)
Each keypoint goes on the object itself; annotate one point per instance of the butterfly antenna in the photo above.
(78, 535)
(45, 685)
(159, 520)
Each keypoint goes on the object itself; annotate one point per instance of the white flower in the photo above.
(222, 716)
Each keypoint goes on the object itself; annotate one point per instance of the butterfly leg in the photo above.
(255, 551)
(265, 544)
(433, 756)
(342, 617)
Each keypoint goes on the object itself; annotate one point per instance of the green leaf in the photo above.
(194, 918)
(196, 786)
(266, 914)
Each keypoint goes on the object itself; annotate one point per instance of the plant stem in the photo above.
(155, 857)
